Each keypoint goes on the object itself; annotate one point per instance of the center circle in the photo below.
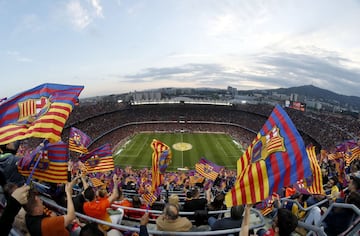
(182, 146)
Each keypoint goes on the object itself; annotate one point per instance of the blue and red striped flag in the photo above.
(276, 158)
(38, 112)
(78, 141)
(207, 169)
(52, 166)
(99, 159)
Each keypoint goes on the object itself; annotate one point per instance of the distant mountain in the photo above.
(312, 92)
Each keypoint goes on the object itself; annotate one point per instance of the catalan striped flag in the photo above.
(207, 169)
(39, 112)
(149, 198)
(276, 158)
(78, 141)
(351, 155)
(316, 186)
(95, 182)
(99, 159)
(158, 149)
(52, 166)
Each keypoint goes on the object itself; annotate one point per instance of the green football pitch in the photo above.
(218, 148)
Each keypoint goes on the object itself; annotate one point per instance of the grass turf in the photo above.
(218, 148)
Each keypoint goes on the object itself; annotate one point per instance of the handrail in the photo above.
(300, 206)
(319, 231)
(341, 205)
(160, 212)
(156, 232)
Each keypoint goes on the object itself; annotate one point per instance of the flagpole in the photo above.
(36, 163)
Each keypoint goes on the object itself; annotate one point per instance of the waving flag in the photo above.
(317, 181)
(39, 112)
(351, 155)
(314, 183)
(52, 163)
(160, 150)
(78, 141)
(276, 158)
(99, 159)
(207, 169)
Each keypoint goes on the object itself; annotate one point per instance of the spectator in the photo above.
(143, 222)
(334, 189)
(174, 199)
(234, 221)
(97, 208)
(136, 203)
(339, 219)
(79, 199)
(40, 224)
(18, 197)
(284, 223)
(195, 203)
(91, 229)
(171, 221)
(8, 163)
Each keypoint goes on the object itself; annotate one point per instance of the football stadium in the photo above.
(205, 163)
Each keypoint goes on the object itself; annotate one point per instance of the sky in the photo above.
(117, 46)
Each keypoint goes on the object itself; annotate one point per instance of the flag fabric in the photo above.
(39, 112)
(159, 148)
(344, 146)
(149, 198)
(52, 166)
(78, 141)
(316, 186)
(276, 158)
(267, 205)
(95, 182)
(99, 159)
(351, 155)
(207, 169)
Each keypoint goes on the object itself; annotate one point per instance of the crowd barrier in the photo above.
(156, 232)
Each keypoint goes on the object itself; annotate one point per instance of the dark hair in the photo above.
(89, 194)
(287, 222)
(195, 192)
(91, 229)
(355, 181)
(136, 203)
(171, 211)
(218, 202)
(236, 212)
(335, 179)
(354, 198)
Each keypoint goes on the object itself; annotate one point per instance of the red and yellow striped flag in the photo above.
(317, 182)
(158, 148)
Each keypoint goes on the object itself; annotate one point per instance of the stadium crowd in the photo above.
(118, 197)
(323, 130)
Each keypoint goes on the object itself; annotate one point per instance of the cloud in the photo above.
(18, 57)
(83, 14)
(266, 71)
(98, 7)
(80, 17)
